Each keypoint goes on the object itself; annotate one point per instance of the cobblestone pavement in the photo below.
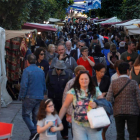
(21, 132)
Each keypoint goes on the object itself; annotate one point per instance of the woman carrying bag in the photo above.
(82, 95)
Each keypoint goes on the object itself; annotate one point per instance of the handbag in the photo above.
(122, 89)
(98, 118)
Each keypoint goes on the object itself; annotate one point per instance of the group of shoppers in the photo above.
(65, 73)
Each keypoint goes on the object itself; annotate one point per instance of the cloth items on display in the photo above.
(13, 59)
(98, 118)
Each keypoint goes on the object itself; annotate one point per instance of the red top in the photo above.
(86, 64)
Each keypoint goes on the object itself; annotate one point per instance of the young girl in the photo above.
(48, 121)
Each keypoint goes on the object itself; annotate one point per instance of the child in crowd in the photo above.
(48, 121)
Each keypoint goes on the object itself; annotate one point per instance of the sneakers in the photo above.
(34, 136)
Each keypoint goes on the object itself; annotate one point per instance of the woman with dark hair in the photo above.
(103, 82)
(41, 63)
(82, 92)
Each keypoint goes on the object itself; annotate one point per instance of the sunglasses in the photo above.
(81, 46)
(60, 69)
(41, 54)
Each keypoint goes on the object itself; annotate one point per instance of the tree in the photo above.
(130, 9)
(109, 8)
(14, 13)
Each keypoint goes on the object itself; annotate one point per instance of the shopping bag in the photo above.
(98, 118)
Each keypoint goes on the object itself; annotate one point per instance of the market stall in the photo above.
(12, 48)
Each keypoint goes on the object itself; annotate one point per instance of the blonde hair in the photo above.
(49, 47)
(79, 68)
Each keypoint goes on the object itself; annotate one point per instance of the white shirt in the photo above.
(101, 39)
(114, 76)
(78, 51)
(69, 51)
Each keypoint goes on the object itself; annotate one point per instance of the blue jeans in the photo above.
(111, 72)
(85, 133)
(30, 106)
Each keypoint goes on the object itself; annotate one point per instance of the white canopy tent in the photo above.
(111, 20)
(131, 27)
(4, 96)
(16, 33)
(134, 32)
(134, 21)
(54, 20)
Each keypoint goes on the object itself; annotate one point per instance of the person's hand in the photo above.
(68, 118)
(50, 124)
(61, 56)
(53, 129)
(92, 104)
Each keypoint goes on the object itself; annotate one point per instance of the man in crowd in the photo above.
(101, 39)
(76, 54)
(130, 55)
(125, 94)
(32, 89)
(68, 47)
(68, 60)
(56, 81)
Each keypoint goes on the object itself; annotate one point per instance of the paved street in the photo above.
(12, 114)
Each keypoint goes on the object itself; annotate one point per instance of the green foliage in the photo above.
(130, 9)
(109, 8)
(14, 13)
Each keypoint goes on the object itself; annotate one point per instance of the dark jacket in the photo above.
(105, 104)
(122, 50)
(56, 84)
(105, 83)
(44, 65)
(74, 54)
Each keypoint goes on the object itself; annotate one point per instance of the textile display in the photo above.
(5, 97)
(13, 59)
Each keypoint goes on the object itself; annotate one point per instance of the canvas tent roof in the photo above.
(134, 32)
(16, 33)
(129, 22)
(54, 20)
(39, 27)
(131, 27)
(110, 20)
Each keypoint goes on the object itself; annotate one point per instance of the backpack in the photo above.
(98, 59)
(80, 109)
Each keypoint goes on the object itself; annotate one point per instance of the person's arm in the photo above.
(44, 128)
(91, 61)
(65, 106)
(119, 56)
(59, 128)
(23, 85)
(108, 58)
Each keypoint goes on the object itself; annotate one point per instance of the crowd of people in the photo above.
(76, 66)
